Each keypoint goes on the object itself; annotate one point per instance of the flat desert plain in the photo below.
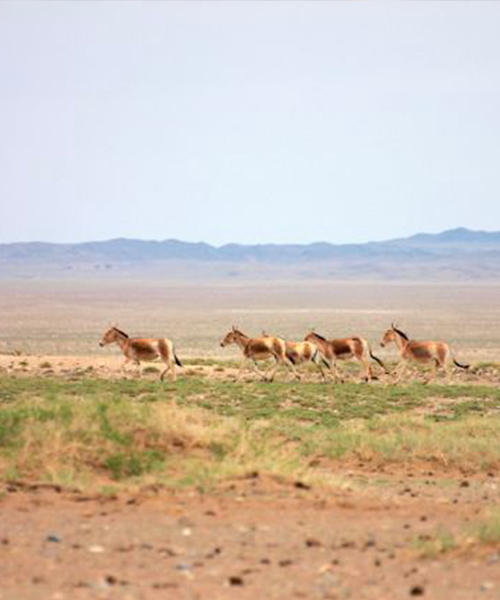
(68, 317)
(114, 486)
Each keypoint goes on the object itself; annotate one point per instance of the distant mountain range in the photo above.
(456, 254)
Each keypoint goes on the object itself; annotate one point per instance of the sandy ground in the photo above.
(110, 366)
(255, 539)
(107, 367)
(70, 317)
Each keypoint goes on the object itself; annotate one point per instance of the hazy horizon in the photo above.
(269, 242)
(250, 123)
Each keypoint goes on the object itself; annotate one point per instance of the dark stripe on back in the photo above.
(320, 337)
(402, 334)
(120, 332)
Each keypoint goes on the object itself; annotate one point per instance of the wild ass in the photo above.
(438, 353)
(344, 349)
(304, 352)
(255, 349)
(143, 349)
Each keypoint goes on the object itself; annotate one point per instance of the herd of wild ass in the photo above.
(315, 349)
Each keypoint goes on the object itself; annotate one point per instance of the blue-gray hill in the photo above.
(453, 254)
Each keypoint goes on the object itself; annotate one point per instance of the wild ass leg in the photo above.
(273, 370)
(255, 368)
(449, 375)
(401, 368)
(448, 371)
(433, 374)
(168, 367)
(166, 354)
(444, 361)
(329, 369)
(241, 369)
(173, 370)
(368, 373)
(317, 362)
(322, 372)
(124, 364)
(336, 373)
(289, 364)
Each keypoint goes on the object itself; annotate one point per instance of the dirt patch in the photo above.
(106, 367)
(255, 538)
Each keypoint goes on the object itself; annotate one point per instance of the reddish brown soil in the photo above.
(255, 539)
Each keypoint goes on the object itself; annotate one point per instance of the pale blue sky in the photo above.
(248, 121)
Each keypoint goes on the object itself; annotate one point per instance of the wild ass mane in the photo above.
(320, 337)
(120, 332)
(239, 332)
(401, 333)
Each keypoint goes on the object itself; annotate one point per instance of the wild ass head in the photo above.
(112, 336)
(392, 335)
(232, 337)
(312, 336)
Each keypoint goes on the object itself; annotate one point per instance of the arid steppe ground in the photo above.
(68, 317)
(116, 487)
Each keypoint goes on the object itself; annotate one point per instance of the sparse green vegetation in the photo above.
(486, 366)
(200, 431)
(487, 530)
(210, 362)
(439, 542)
(150, 370)
(484, 531)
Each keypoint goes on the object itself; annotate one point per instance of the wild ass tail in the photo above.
(376, 359)
(457, 364)
(177, 361)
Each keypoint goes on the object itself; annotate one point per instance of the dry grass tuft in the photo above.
(468, 444)
(80, 441)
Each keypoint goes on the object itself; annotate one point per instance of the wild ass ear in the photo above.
(234, 328)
